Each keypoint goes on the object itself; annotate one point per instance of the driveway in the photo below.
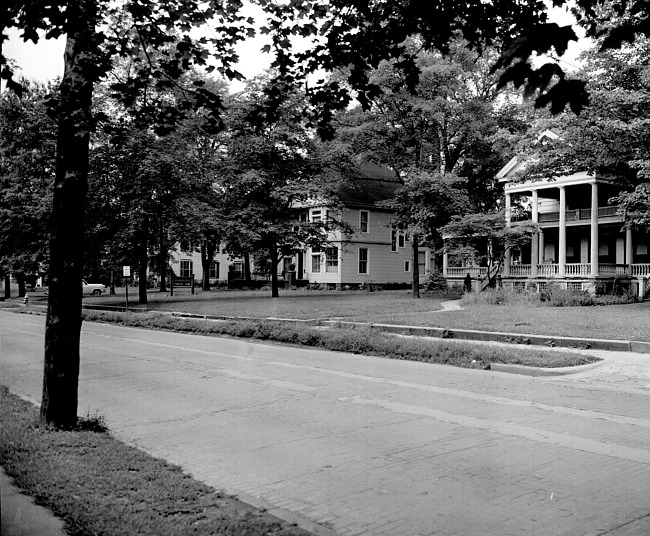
(364, 445)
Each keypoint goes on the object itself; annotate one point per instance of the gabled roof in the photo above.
(515, 164)
(369, 185)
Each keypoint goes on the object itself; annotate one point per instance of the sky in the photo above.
(45, 60)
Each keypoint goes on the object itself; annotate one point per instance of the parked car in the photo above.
(95, 289)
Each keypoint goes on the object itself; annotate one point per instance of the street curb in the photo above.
(525, 370)
(282, 514)
(503, 337)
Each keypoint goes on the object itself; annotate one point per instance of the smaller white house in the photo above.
(375, 252)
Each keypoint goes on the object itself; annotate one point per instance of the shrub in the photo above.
(436, 284)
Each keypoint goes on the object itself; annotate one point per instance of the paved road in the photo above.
(366, 445)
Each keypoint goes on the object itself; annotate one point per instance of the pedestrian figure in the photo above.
(468, 283)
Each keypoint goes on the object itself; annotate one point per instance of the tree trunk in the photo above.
(7, 279)
(162, 258)
(143, 263)
(247, 267)
(415, 285)
(274, 271)
(112, 282)
(208, 247)
(63, 323)
(20, 279)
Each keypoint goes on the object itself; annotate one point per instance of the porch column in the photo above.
(594, 229)
(445, 263)
(534, 246)
(629, 251)
(562, 232)
(508, 253)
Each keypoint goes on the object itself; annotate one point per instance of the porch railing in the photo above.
(547, 269)
(520, 269)
(578, 214)
(640, 269)
(577, 268)
(473, 271)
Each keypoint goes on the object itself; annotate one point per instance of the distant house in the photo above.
(373, 253)
(583, 243)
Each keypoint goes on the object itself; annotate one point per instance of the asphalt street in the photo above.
(355, 445)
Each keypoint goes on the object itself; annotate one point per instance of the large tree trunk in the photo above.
(63, 323)
(208, 247)
(112, 282)
(415, 285)
(247, 267)
(143, 263)
(20, 279)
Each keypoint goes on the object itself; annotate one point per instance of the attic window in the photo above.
(316, 216)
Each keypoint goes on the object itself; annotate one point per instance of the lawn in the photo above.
(622, 322)
(301, 304)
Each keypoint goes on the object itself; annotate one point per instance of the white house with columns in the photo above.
(583, 243)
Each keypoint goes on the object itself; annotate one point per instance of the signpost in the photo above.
(126, 272)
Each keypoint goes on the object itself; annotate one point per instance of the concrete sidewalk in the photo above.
(21, 517)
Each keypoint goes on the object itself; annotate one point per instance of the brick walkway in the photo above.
(363, 445)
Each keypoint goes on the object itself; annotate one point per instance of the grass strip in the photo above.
(357, 340)
(100, 486)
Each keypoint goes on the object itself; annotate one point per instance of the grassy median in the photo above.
(361, 340)
(103, 487)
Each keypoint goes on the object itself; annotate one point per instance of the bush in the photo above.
(436, 284)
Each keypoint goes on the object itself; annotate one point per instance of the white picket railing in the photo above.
(520, 269)
(548, 269)
(577, 268)
(640, 269)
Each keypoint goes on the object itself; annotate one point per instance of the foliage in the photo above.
(27, 161)
(551, 296)
(271, 172)
(483, 239)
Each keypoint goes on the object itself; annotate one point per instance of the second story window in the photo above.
(316, 216)
(187, 268)
(393, 240)
(401, 240)
(363, 221)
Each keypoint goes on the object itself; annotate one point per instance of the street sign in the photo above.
(126, 271)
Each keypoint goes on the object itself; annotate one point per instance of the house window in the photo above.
(407, 266)
(642, 249)
(393, 240)
(187, 268)
(363, 260)
(316, 216)
(401, 240)
(422, 262)
(316, 262)
(363, 222)
(303, 216)
(603, 250)
(286, 264)
(214, 270)
(332, 260)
